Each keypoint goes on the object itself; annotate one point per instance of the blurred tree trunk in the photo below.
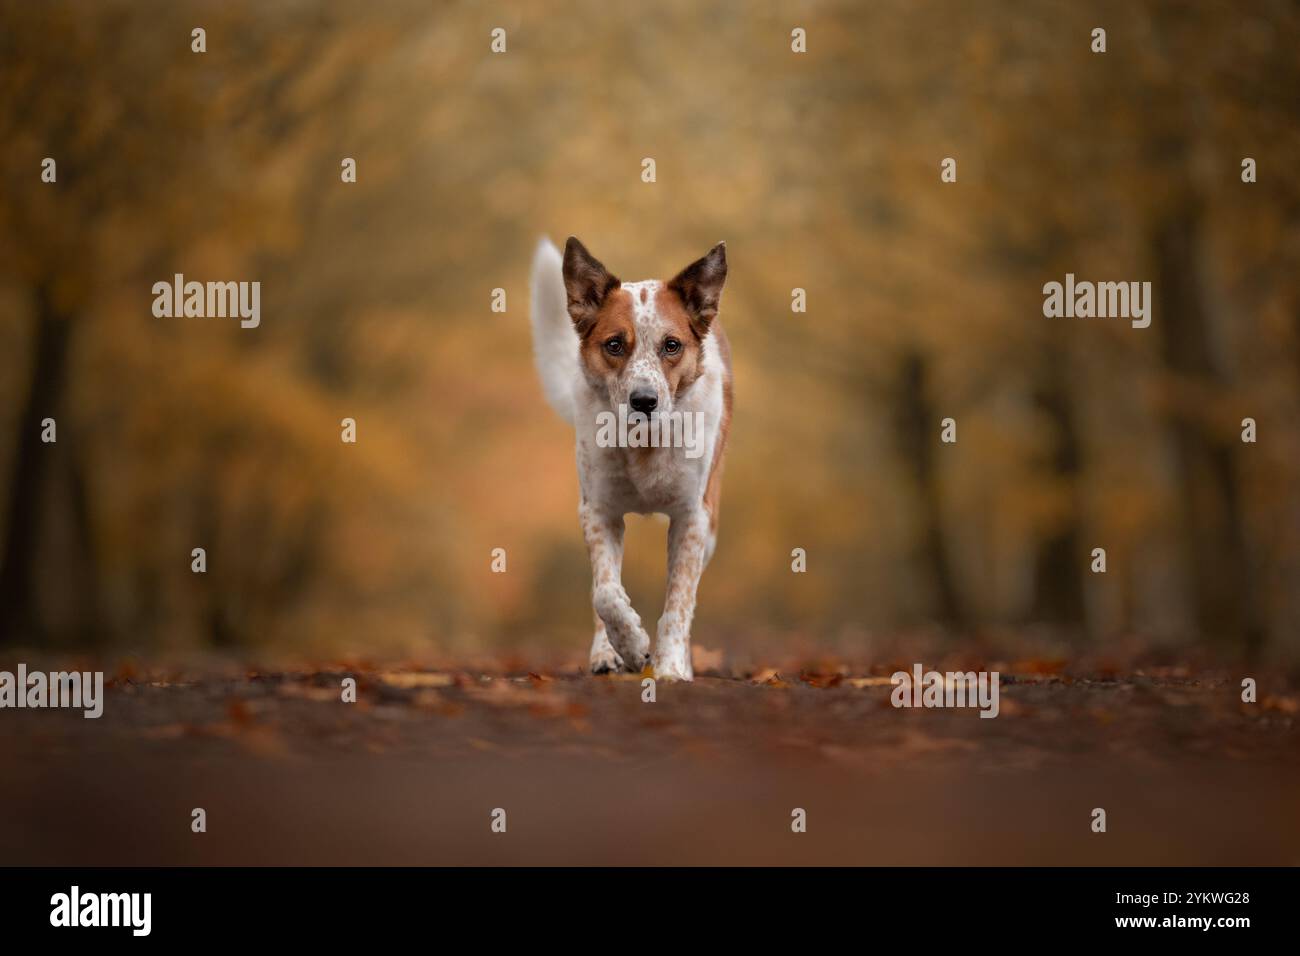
(1058, 572)
(31, 471)
(1210, 495)
(93, 626)
(917, 432)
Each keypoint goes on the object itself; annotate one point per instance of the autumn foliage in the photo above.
(820, 170)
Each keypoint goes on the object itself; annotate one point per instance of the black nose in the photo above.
(644, 402)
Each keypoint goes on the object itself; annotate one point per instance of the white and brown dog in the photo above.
(603, 345)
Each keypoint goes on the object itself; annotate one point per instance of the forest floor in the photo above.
(708, 773)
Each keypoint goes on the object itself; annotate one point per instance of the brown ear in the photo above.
(700, 287)
(587, 284)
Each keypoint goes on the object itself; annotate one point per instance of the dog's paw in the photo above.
(672, 656)
(666, 669)
(606, 662)
(623, 627)
(633, 647)
(673, 663)
(635, 663)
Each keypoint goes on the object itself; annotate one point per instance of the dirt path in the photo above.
(588, 772)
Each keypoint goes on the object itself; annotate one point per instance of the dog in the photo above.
(602, 346)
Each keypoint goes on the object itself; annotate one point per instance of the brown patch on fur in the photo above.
(681, 370)
(713, 490)
(699, 286)
(613, 318)
(587, 283)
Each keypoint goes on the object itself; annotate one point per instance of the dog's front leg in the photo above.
(604, 535)
(689, 544)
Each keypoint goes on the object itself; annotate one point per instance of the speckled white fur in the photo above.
(614, 481)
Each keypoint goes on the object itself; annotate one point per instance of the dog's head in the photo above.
(641, 341)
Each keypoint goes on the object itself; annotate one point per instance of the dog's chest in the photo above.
(661, 476)
(644, 480)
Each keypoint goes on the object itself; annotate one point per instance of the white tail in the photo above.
(555, 344)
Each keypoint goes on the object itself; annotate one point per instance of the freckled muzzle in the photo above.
(647, 387)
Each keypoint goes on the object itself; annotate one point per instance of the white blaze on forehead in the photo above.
(643, 299)
(644, 369)
(645, 315)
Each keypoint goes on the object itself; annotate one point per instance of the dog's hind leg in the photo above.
(623, 630)
(604, 659)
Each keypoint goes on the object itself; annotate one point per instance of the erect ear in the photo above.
(587, 284)
(700, 287)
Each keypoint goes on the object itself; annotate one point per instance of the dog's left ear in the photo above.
(700, 287)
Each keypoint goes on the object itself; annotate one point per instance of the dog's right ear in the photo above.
(587, 284)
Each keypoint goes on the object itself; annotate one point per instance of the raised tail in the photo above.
(555, 344)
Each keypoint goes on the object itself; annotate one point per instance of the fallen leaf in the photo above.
(309, 692)
(768, 678)
(1287, 705)
(1038, 667)
(822, 680)
(409, 680)
(239, 712)
(705, 658)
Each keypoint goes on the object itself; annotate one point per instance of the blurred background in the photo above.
(820, 170)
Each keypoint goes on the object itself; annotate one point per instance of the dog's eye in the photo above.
(672, 346)
(614, 346)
